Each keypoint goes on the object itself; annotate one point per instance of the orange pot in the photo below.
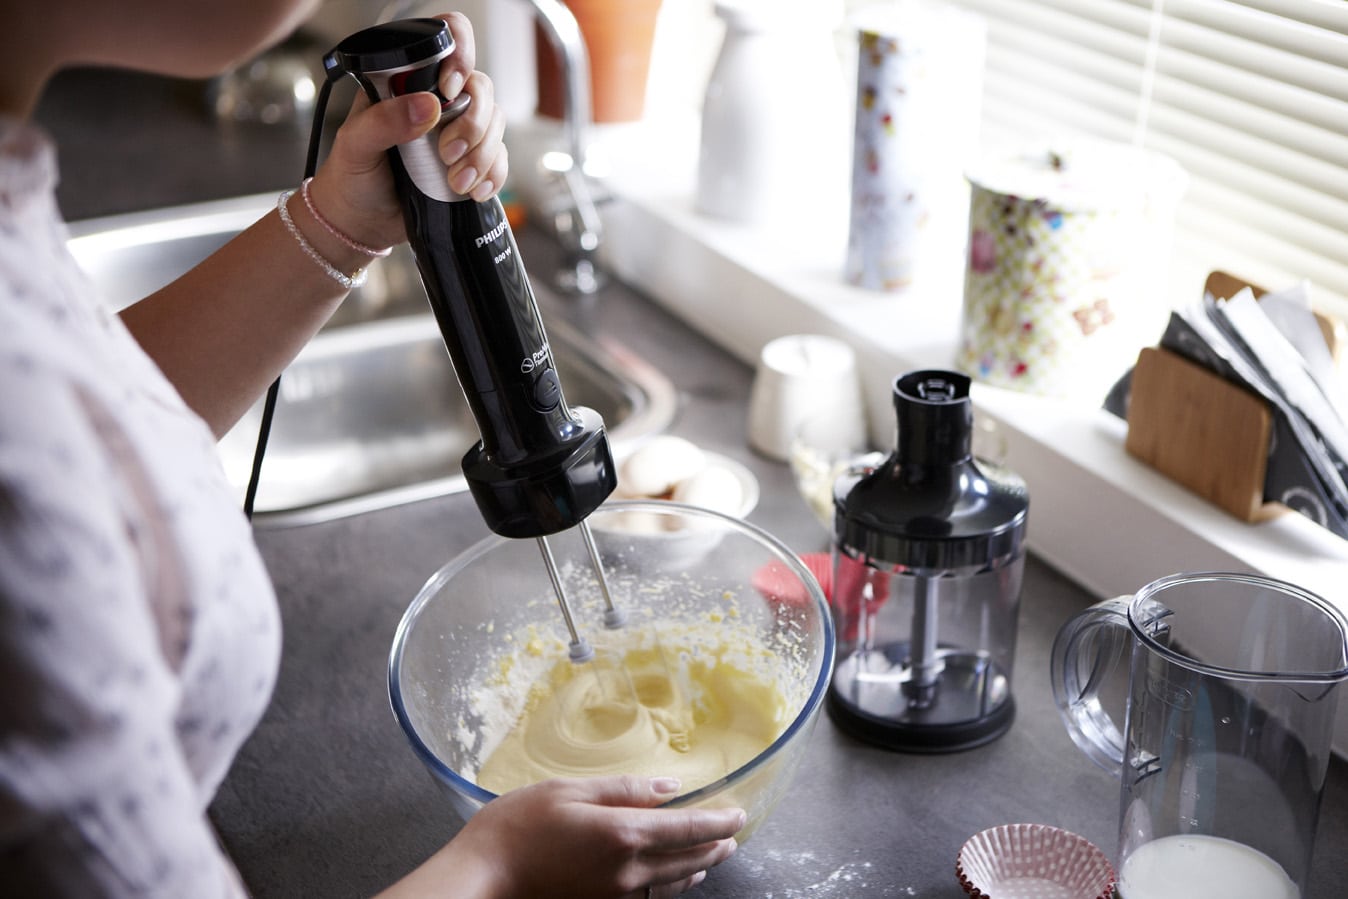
(619, 35)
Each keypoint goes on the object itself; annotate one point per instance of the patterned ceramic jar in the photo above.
(1066, 266)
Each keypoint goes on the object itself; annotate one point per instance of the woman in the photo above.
(139, 635)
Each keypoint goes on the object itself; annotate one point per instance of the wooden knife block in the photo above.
(1203, 431)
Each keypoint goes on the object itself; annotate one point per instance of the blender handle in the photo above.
(1086, 652)
(540, 466)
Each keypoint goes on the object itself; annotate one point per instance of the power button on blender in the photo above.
(547, 390)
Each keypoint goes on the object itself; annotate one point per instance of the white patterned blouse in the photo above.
(139, 633)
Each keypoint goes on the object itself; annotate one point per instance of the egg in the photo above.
(659, 465)
(714, 487)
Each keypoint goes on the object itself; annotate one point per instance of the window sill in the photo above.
(1097, 514)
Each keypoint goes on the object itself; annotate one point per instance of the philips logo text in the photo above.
(490, 235)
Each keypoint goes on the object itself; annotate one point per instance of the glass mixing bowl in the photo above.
(486, 628)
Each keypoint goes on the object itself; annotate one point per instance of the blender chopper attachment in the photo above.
(540, 466)
(928, 555)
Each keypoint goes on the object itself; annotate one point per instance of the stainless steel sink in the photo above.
(370, 414)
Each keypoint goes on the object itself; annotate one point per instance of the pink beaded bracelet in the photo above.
(345, 238)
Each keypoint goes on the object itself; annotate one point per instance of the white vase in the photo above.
(771, 114)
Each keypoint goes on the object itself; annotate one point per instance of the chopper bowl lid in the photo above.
(929, 505)
(973, 531)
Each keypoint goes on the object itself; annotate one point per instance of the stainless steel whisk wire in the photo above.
(581, 650)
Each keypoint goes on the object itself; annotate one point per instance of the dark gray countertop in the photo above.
(327, 799)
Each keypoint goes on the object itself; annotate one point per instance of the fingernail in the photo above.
(422, 108)
(483, 191)
(464, 180)
(665, 785)
(454, 152)
(453, 84)
(743, 819)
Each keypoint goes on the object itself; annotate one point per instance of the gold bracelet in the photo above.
(350, 282)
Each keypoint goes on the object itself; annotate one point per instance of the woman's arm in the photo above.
(226, 329)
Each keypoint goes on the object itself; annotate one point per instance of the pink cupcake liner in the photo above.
(1033, 861)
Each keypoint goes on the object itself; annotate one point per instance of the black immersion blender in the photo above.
(541, 466)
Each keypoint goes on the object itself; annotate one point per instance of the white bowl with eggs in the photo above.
(672, 469)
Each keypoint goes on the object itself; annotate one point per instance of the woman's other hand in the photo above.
(592, 838)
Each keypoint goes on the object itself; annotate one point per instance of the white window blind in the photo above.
(1250, 96)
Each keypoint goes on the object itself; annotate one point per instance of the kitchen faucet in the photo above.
(574, 215)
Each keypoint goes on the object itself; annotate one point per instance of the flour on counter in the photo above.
(846, 880)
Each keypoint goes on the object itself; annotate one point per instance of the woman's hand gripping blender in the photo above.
(540, 467)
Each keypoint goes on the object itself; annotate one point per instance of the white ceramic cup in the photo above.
(802, 376)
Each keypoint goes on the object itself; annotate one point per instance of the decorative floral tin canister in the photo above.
(1067, 257)
(919, 87)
